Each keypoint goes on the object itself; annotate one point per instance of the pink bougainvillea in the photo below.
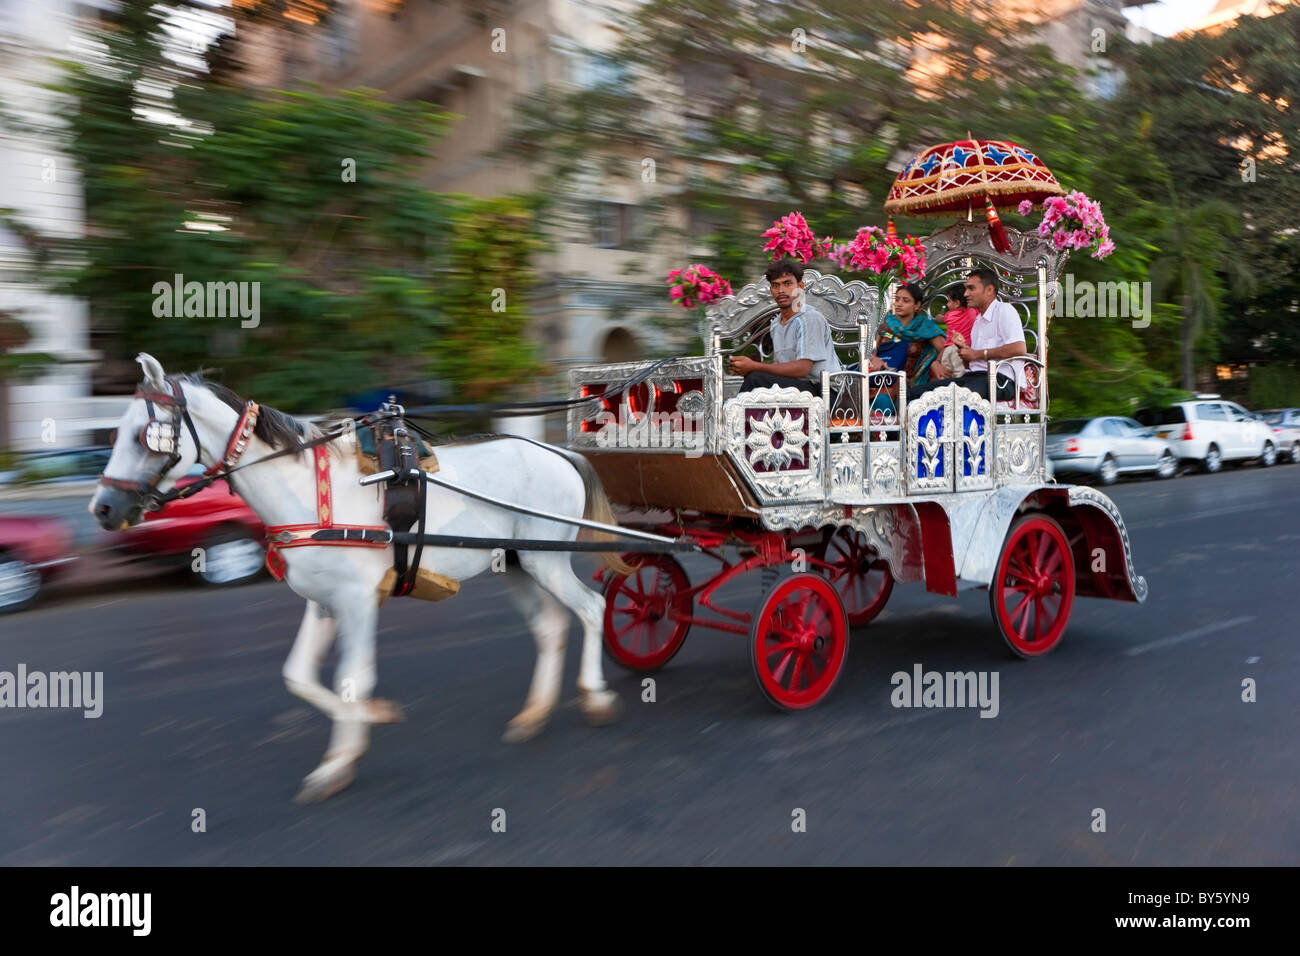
(1075, 222)
(696, 285)
(873, 250)
(791, 236)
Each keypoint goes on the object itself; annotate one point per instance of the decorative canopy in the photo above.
(960, 176)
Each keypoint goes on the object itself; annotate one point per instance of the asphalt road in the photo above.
(1138, 712)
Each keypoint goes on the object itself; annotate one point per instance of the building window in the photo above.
(1107, 82)
(615, 225)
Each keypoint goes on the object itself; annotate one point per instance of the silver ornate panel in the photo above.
(703, 408)
(846, 470)
(775, 436)
(1091, 496)
(886, 471)
(970, 240)
(979, 526)
(972, 419)
(893, 530)
(928, 456)
(1018, 454)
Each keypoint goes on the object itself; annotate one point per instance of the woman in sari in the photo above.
(909, 341)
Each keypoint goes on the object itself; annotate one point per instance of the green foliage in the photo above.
(313, 195)
(1275, 386)
(485, 353)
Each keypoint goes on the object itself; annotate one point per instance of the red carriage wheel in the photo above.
(860, 575)
(640, 632)
(799, 641)
(1033, 586)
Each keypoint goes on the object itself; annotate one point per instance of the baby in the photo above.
(958, 320)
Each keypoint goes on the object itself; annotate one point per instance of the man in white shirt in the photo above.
(801, 339)
(996, 334)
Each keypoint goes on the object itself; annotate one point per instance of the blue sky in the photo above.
(1169, 16)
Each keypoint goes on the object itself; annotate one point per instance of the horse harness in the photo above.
(397, 452)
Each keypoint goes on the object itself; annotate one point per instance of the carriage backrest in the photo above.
(743, 319)
(951, 253)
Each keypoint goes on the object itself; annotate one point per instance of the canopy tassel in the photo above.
(996, 231)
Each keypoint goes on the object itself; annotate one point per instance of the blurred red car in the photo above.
(231, 537)
(32, 551)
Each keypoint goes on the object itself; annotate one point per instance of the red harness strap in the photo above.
(300, 534)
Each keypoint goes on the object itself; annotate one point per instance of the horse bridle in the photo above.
(159, 437)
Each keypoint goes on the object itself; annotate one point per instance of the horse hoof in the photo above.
(321, 784)
(380, 711)
(602, 708)
(517, 731)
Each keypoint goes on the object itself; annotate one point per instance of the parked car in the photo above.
(216, 520)
(1285, 423)
(1210, 431)
(33, 550)
(1105, 448)
(57, 465)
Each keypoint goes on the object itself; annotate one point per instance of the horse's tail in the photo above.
(596, 508)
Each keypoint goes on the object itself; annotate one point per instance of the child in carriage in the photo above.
(958, 320)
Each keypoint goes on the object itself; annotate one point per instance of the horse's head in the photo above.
(156, 444)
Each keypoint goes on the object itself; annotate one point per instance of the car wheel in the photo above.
(1295, 453)
(230, 557)
(1108, 471)
(20, 583)
(1213, 460)
(1269, 458)
(1167, 465)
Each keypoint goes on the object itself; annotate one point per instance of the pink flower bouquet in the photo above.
(696, 285)
(886, 257)
(1074, 222)
(790, 236)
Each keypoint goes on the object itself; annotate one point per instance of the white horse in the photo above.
(341, 583)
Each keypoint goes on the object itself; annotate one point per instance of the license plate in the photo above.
(1164, 434)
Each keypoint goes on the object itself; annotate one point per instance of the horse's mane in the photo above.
(276, 428)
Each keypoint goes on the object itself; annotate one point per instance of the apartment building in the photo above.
(53, 410)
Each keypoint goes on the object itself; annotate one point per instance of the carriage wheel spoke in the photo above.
(779, 671)
(630, 624)
(1044, 543)
(798, 669)
(1020, 614)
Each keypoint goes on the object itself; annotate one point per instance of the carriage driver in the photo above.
(801, 338)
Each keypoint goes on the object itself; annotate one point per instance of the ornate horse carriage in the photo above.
(948, 490)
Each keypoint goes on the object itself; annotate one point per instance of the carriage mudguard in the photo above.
(1099, 542)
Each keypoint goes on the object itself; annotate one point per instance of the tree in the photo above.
(307, 201)
(1218, 112)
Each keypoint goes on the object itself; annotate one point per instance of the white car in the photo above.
(1210, 431)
